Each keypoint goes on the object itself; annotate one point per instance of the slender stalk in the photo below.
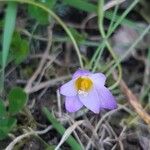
(102, 31)
(50, 12)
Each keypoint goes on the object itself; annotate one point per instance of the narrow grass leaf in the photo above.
(68, 132)
(82, 5)
(9, 26)
(60, 129)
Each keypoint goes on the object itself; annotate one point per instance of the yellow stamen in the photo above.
(83, 84)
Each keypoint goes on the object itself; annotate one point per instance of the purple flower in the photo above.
(87, 88)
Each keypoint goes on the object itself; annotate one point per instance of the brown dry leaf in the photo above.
(133, 100)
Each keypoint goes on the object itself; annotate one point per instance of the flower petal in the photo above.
(91, 100)
(68, 89)
(80, 72)
(73, 104)
(107, 100)
(98, 79)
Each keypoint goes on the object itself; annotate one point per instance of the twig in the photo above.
(68, 132)
(19, 138)
(99, 123)
(48, 57)
(107, 6)
(113, 3)
(115, 135)
(81, 130)
(47, 84)
(133, 100)
(46, 66)
(59, 103)
(41, 64)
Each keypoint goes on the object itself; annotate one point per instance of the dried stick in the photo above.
(107, 6)
(99, 124)
(32, 132)
(41, 64)
(45, 84)
(133, 100)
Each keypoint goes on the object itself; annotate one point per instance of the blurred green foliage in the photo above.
(19, 48)
(17, 99)
(40, 15)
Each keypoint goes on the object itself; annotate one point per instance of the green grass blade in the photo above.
(89, 7)
(82, 5)
(126, 12)
(9, 26)
(60, 129)
(119, 21)
(113, 18)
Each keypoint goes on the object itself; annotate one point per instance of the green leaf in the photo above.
(9, 26)
(40, 15)
(2, 109)
(82, 5)
(6, 125)
(19, 48)
(17, 100)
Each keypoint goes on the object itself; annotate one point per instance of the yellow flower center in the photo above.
(83, 84)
